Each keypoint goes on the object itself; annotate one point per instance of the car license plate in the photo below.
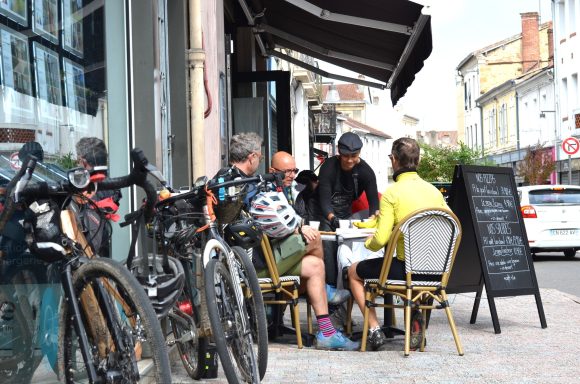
(564, 232)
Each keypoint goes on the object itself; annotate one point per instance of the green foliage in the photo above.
(67, 161)
(537, 165)
(438, 163)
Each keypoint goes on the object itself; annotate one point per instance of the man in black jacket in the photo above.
(342, 179)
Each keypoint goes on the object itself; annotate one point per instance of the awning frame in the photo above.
(414, 32)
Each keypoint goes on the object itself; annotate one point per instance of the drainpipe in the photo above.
(195, 60)
(518, 123)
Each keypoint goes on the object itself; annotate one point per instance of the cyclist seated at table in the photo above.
(296, 247)
(409, 193)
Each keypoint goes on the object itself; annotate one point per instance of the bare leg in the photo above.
(358, 292)
(313, 273)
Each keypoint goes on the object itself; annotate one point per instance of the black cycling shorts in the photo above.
(371, 269)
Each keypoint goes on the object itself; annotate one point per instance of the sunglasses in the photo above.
(287, 171)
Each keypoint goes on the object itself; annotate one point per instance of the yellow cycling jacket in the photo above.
(409, 193)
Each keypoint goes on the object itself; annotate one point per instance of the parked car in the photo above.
(552, 217)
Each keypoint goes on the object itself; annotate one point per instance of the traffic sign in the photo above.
(15, 163)
(571, 145)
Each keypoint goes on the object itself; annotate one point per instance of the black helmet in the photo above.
(243, 233)
(163, 285)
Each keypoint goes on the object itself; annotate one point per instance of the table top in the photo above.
(342, 234)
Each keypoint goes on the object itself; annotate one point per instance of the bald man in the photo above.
(305, 249)
(284, 162)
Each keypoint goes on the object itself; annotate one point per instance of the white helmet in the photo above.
(273, 214)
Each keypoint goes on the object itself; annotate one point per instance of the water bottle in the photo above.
(222, 190)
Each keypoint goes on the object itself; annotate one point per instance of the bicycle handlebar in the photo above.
(214, 185)
(138, 176)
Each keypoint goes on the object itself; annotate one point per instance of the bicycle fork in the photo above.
(72, 302)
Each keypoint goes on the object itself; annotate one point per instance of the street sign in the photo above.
(15, 161)
(571, 145)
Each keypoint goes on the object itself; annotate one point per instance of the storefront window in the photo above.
(53, 91)
(52, 77)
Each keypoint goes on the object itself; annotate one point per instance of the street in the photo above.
(553, 270)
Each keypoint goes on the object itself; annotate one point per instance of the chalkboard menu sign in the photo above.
(494, 249)
(493, 201)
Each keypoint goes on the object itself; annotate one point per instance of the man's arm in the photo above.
(370, 187)
(385, 222)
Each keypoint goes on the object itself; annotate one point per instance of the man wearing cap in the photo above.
(342, 179)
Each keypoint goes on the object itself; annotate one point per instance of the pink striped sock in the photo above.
(325, 326)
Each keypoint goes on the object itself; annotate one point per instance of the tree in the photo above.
(537, 165)
(438, 163)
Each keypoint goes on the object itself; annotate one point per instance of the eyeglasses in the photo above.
(258, 155)
(287, 171)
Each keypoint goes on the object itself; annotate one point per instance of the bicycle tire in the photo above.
(225, 318)
(19, 318)
(191, 351)
(122, 365)
(19, 365)
(254, 303)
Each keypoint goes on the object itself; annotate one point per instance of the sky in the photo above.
(459, 27)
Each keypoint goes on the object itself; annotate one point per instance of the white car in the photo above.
(552, 217)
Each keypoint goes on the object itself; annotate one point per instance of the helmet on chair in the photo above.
(243, 233)
(163, 285)
(274, 215)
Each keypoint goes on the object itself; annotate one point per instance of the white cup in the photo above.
(344, 223)
(314, 224)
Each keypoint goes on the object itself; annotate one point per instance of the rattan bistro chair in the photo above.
(431, 238)
(282, 290)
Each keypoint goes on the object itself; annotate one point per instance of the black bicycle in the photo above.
(106, 319)
(229, 304)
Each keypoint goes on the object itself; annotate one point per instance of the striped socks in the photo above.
(325, 326)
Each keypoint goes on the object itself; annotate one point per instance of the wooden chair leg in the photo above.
(365, 332)
(407, 323)
(296, 318)
(452, 325)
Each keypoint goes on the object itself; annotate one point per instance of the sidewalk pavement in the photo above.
(522, 353)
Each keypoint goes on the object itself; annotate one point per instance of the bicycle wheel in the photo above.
(19, 318)
(17, 363)
(234, 343)
(122, 308)
(191, 347)
(255, 309)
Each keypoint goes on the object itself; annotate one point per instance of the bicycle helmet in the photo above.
(243, 233)
(273, 214)
(163, 285)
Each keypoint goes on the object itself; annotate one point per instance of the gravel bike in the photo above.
(219, 276)
(105, 315)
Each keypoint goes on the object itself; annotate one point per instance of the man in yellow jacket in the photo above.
(409, 193)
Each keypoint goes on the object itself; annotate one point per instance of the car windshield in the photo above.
(555, 196)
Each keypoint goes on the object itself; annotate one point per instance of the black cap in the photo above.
(349, 143)
(306, 176)
(31, 148)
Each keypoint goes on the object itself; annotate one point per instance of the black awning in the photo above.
(385, 40)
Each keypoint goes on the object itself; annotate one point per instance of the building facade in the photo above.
(487, 68)
(566, 15)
